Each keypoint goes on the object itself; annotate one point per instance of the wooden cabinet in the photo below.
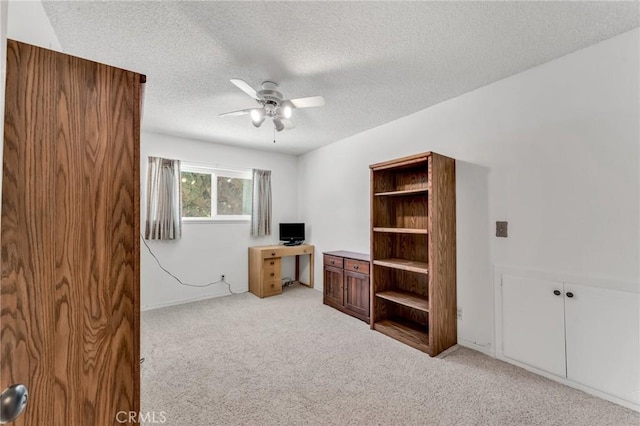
(413, 251)
(346, 283)
(586, 334)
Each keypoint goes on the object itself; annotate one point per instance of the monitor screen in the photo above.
(292, 232)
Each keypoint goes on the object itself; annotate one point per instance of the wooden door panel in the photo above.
(27, 283)
(357, 293)
(88, 296)
(333, 287)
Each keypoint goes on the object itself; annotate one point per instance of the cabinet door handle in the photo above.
(557, 292)
(569, 294)
(333, 261)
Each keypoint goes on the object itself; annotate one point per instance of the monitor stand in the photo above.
(293, 243)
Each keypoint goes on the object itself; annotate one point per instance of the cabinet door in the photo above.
(533, 323)
(333, 287)
(603, 340)
(357, 293)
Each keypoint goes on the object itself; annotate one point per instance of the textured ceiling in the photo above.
(374, 62)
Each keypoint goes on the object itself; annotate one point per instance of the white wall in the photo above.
(30, 24)
(553, 150)
(208, 250)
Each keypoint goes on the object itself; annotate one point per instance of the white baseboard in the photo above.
(572, 384)
(182, 301)
(486, 349)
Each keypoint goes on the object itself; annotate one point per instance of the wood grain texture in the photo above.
(347, 283)
(333, 286)
(27, 226)
(405, 298)
(407, 265)
(413, 279)
(442, 253)
(405, 331)
(93, 180)
(356, 294)
(264, 285)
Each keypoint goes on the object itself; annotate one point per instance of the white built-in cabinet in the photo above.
(587, 335)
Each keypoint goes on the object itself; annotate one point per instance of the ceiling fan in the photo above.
(272, 105)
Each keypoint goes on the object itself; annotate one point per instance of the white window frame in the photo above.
(216, 172)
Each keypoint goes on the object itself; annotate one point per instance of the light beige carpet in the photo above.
(290, 360)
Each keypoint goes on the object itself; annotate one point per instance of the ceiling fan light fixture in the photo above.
(257, 115)
(278, 124)
(287, 111)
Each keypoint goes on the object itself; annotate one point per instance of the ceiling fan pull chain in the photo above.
(274, 133)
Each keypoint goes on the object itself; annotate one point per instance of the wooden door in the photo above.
(533, 323)
(333, 287)
(69, 237)
(603, 345)
(356, 298)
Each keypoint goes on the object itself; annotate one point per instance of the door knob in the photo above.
(13, 401)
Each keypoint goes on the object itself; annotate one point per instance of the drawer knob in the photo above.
(355, 266)
(333, 261)
(273, 254)
(569, 294)
(272, 274)
(272, 263)
(556, 292)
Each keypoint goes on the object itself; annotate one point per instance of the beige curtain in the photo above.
(164, 206)
(261, 203)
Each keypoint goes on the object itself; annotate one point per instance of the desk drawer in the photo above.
(271, 287)
(272, 263)
(276, 252)
(271, 272)
(334, 261)
(356, 266)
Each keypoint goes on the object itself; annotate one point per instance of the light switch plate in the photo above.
(501, 229)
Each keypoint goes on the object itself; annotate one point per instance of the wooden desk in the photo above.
(265, 267)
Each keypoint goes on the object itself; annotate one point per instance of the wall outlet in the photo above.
(459, 313)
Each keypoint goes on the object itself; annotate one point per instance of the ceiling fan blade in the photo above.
(288, 124)
(311, 101)
(244, 86)
(239, 112)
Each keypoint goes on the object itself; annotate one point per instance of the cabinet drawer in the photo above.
(333, 261)
(356, 266)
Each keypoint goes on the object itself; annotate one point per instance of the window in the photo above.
(211, 194)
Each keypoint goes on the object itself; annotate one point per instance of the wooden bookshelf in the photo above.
(406, 331)
(402, 192)
(405, 264)
(413, 251)
(405, 298)
(401, 230)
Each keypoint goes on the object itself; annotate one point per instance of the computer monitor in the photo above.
(292, 233)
